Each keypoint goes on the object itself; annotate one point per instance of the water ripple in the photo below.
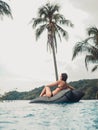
(75, 116)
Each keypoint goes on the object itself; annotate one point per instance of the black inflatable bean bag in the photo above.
(64, 96)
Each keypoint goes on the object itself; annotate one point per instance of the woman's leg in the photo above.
(43, 91)
(46, 92)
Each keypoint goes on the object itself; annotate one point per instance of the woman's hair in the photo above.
(64, 76)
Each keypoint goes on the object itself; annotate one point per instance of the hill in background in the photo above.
(89, 86)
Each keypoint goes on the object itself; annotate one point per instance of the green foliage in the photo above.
(89, 46)
(89, 86)
(5, 9)
(51, 20)
(14, 95)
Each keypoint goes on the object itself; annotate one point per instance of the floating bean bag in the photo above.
(64, 96)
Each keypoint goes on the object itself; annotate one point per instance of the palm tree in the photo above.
(5, 9)
(90, 46)
(49, 19)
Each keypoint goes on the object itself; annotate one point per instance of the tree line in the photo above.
(88, 86)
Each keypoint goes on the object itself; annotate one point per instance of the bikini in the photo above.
(52, 93)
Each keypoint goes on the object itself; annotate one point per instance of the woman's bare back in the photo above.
(61, 85)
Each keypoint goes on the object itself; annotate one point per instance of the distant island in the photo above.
(89, 86)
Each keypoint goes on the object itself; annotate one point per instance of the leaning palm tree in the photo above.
(5, 9)
(90, 46)
(50, 19)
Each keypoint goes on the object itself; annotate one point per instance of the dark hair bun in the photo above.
(64, 76)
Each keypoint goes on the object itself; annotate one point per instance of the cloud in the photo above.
(86, 5)
(3, 70)
(90, 7)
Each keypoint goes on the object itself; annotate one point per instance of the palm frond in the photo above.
(43, 11)
(55, 8)
(62, 31)
(94, 68)
(89, 59)
(37, 21)
(88, 39)
(40, 30)
(67, 22)
(48, 14)
(48, 10)
(5, 9)
(78, 48)
(92, 31)
(92, 50)
(56, 17)
(48, 46)
(84, 46)
(90, 46)
(57, 32)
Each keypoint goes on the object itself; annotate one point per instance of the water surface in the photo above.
(21, 115)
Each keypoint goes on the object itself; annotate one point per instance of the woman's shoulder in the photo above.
(61, 82)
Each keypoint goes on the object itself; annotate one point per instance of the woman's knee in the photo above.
(47, 87)
(48, 91)
(48, 94)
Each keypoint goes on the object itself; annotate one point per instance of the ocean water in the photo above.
(21, 115)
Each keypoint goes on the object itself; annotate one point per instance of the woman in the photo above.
(61, 84)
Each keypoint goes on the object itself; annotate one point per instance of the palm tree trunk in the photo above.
(55, 63)
(51, 41)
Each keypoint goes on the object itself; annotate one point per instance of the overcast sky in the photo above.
(25, 62)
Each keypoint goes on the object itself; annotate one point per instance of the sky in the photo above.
(25, 62)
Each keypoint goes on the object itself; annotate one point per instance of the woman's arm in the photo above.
(71, 87)
(49, 85)
(53, 84)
